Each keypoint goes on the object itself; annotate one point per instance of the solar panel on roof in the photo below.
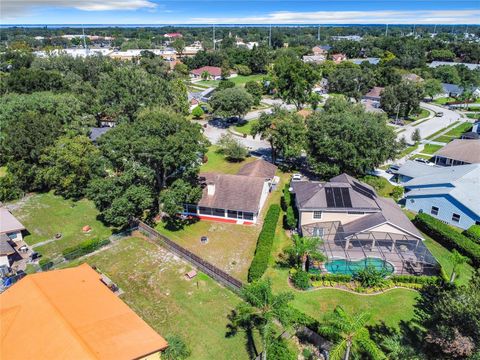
(347, 201)
(329, 197)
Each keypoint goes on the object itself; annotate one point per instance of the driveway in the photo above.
(433, 125)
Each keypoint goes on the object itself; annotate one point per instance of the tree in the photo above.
(243, 70)
(178, 194)
(314, 100)
(432, 87)
(197, 112)
(294, 80)
(456, 259)
(402, 99)
(442, 55)
(350, 335)
(234, 102)
(344, 138)
(70, 164)
(304, 249)
(179, 45)
(447, 74)
(416, 137)
(284, 131)
(177, 349)
(259, 59)
(232, 148)
(351, 80)
(261, 310)
(205, 75)
(255, 89)
(153, 64)
(225, 84)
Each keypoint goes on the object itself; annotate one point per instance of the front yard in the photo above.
(239, 80)
(246, 127)
(155, 288)
(46, 214)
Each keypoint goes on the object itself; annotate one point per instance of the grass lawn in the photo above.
(473, 116)
(421, 156)
(444, 139)
(217, 163)
(239, 80)
(443, 101)
(435, 134)
(246, 127)
(459, 130)
(431, 148)
(407, 151)
(421, 115)
(230, 246)
(155, 287)
(45, 215)
(381, 185)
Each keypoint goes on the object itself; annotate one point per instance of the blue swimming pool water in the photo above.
(342, 266)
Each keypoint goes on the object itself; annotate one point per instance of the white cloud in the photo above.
(13, 8)
(353, 17)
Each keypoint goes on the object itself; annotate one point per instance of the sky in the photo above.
(239, 12)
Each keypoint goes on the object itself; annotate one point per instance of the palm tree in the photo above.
(351, 334)
(305, 248)
(262, 310)
(457, 259)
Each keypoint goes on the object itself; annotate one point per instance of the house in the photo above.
(347, 37)
(452, 90)
(355, 223)
(374, 94)
(458, 152)
(72, 314)
(470, 66)
(321, 87)
(412, 169)
(476, 127)
(10, 226)
(338, 58)
(234, 198)
(214, 73)
(97, 132)
(321, 50)
(370, 60)
(451, 194)
(372, 106)
(173, 35)
(412, 77)
(470, 135)
(314, 59)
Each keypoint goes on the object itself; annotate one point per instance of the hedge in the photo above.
(473, 232)
(83, 248)
(413, 279)
(331, 277)
(264, 244)
(45, 264)
(448, 237)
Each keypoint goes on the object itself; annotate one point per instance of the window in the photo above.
(205, 210)
(248, 216)
(317, 231)
(356, 213)
(218, 212)
(455, 217)
(434, 210)
(232, 214)
(317, 214)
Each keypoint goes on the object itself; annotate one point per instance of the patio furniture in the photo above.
(403, 248)
(191, 274)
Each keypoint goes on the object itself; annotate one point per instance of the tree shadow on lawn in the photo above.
(235, 326)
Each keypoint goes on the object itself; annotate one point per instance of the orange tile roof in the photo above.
(70, 314)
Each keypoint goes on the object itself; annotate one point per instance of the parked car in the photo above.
(439, 114)
(296, 177)
(423, 161)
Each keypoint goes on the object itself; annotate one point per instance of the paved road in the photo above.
(433, 125)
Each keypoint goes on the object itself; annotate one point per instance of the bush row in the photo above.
(413, 279)
(331, 277)
(83, 248)
(290, 219)
(45, 264)
(264, 244)
(473, 232)
(448, 237)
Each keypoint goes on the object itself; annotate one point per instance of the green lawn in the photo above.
(407, 151)
(444, 100)
(421, 156)
(473, 115)
(156, 289)
(431, 148)
(424, 113)
(381, 185)
(246, 127)
(45, 215)
(239, 80)
(217, 163)
(444, 139)
(459, 130)
(435, 134)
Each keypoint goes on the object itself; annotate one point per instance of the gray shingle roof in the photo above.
(461, 149)
(96, 132)
(258, 168)
(9, 223)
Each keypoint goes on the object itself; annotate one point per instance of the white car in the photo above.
(297, 177)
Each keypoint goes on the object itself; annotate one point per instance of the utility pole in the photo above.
(318, 34)
(386, 31)
(413, 30)
(270, 36)
(435, 29)
(84, 41)
(214, 37)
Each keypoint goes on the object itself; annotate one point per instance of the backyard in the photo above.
(154, 285)
(44, 215)
(216, 162)
(239, 80)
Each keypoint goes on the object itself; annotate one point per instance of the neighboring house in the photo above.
(370, 60)
(355, 223)
(72, 314)
(214, 73)
(374, 94)
(452, 90)
(321, 87)
(234, 198)
(10, 226)
(476, 127)
(321, 50)
(7, 251)
(458, 152)
(97, 132)
(412, 77)
(167, 54)
(338, 58)
(470, 66)
(450, 194)
(173, 35)
(347, 37)
(107, 122)
(372, 106)
(315, 59)
(412, 169)
(195, 98)
(81, 53)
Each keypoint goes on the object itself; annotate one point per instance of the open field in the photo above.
(217, 163)
(45, 215)
(155, 287)
(239, 80)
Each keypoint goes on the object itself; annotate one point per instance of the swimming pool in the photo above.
(342, 266)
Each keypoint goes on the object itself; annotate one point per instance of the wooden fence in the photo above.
(204, 266)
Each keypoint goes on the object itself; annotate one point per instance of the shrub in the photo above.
(290, 220)
(370, 277)
(177, 349)
(473, 232)
(264, 244)
(83, 248)
(412, 279)
(45, 264)
(197, 112)
(332, 277)
(301, 280)
(225, 84)
(242, 69)
(286, 198)
(397, 193)
(448, 237)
